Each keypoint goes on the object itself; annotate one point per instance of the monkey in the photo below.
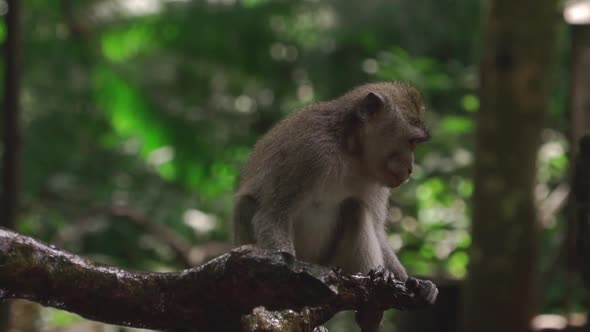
(317, 185)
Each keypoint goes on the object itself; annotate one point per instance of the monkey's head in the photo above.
(392, 116)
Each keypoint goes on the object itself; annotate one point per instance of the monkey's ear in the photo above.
(372, 103)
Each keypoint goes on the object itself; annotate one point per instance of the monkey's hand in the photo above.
(381, 274)
(425, 289)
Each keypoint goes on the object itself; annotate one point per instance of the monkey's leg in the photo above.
(354, 246)
(357, 248)
(273, 231)
(369, 320)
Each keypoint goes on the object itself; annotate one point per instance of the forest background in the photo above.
(136, 117)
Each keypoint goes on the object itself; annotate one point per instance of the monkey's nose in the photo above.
(409, 170)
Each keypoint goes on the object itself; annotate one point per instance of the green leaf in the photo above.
(451, 124)
(470, 103)
(2, 31)
(121, 45)
(253, 3)
(457, 264)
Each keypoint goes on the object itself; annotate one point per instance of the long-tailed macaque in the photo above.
(317, 185)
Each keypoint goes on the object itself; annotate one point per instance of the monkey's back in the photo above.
(300, 146)
(285, 164)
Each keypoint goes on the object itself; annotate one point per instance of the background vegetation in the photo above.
(140, 113)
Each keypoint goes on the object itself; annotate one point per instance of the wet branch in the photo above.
(219, 295)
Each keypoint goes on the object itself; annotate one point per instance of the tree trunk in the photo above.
(10, 131)
(576, 246)
(515, 71)
(580, 203)
(580, 84)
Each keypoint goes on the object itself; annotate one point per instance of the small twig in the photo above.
(189, 255)
(177, 243)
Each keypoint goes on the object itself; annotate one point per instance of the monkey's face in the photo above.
(389, 151)
(390, 137)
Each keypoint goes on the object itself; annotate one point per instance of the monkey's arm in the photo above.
(425, 288)
(272, 230)
(390, 259)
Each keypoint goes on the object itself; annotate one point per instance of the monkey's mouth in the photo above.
(394, 171)
(394, 179)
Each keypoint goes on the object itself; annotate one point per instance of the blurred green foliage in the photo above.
(154, 105)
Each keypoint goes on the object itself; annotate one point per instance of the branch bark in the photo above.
(218, 296)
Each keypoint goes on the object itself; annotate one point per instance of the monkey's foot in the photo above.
(369, 320)
(425, 289)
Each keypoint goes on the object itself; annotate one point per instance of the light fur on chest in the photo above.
(315, 226)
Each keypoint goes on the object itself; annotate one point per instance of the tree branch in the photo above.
(214, 296)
